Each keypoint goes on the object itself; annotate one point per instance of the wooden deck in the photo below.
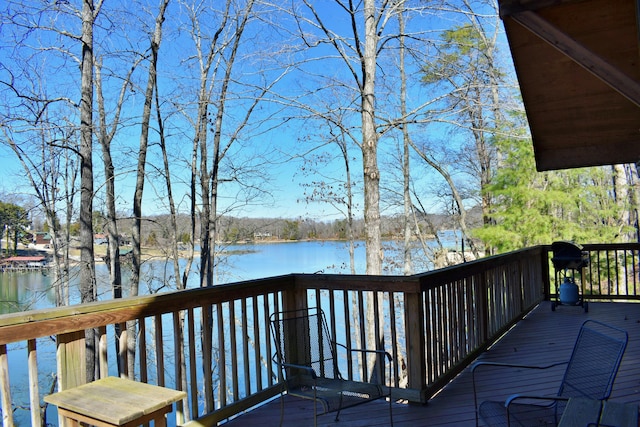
(542, 337)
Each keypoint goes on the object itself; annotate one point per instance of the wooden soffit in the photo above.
(578, 65)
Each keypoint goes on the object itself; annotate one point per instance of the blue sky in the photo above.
(264, 149)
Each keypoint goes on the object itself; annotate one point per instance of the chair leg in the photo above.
(315, 403)
(281, 408)
(315, 413)
(339, 407)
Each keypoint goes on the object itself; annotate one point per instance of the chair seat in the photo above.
(308, 360)
(590, 373)
(521, 415)
(332, 391)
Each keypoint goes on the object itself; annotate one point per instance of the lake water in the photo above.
(24, 291)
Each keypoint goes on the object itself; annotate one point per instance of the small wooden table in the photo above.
(114, 401)
(582, 412)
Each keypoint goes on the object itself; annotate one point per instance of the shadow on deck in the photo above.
(541, 338)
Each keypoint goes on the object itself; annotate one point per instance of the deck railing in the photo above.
(215, 343)
(612, 273)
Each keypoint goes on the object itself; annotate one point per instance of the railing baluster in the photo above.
(123, 353)
(178, 346)
(429, 313)
(142, 348)
(442, 318)
(159, 347)
(222, 355)
(7, 410)
(363, 337)
(634, 272)
(269, 301)
(193, 375)
(346, 312)
(257, 351)
(441, 329)
(34, 393)
(206, 340)
(245, 348)
(394, 338)
(234, 350)
(332, 316)
(103, 357)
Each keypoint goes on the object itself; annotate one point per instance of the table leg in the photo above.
(70, 422)
(161, 421)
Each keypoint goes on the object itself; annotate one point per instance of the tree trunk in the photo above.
(87, 263)
(374, 254)
(140, 178)
(406, 172)
(350, 234)
(373, 238)
(70, 177)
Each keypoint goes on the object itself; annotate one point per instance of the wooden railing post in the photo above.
(415, 336)
(72, 361)
(297, 348)
(7, 407)
(450, 316)
(544, 268)
(34, 390)
(294, 299)
(481, 295)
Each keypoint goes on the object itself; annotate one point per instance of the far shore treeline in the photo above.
(241, 230)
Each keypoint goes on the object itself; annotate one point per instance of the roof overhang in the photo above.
(578, 65)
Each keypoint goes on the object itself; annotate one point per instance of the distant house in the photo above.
(261, 235)
(42, 238)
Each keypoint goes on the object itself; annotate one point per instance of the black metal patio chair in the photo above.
(590, 373)
(308, 359)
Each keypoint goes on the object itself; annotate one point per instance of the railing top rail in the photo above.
(445, 275)
(39, 323)
(611, 246)
(359, 282)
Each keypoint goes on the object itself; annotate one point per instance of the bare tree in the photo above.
(87, 264)
(406, 157)
(358, 52)
(210, 175)
(44, 47)
(466, 70)
(227, 101)
(82, 37)
(328, 186)
(105, 135)
(51, 172)
(154, 48)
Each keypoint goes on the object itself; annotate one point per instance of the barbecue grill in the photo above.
(568, 261)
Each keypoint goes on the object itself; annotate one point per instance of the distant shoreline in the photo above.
(161, 252)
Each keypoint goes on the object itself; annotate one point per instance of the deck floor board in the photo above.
(541, 338)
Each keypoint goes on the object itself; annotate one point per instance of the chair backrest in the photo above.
(594, 362)
(302, 338)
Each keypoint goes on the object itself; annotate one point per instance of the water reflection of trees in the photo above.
(24, 291)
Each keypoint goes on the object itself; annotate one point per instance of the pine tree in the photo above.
(541, 207)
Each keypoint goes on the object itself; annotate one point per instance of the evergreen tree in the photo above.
(14, 220)
(541, 207)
